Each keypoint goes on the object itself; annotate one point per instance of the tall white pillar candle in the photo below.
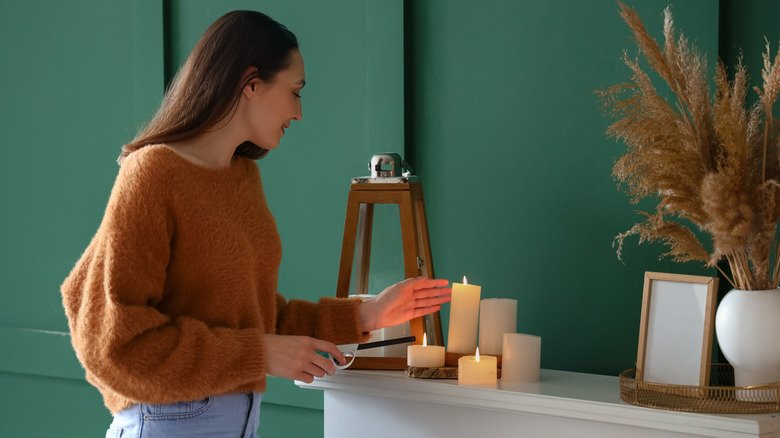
(521, 360)
(464, 318)
(496, 317)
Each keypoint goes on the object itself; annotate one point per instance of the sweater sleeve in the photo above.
(331, 319)
(125, 343)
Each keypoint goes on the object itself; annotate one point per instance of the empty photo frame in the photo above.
(676, 329)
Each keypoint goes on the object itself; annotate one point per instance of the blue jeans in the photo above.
(231, 415)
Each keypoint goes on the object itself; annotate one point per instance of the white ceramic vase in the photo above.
(748, 327)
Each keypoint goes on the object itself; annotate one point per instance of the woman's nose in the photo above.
(299, 113)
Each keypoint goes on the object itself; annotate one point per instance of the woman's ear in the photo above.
(251, 85)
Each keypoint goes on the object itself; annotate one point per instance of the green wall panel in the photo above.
(74, 77)
(42, 406)
(38, 406)
(507, 133)
(742, 33)
(499, 117)
(285, 421)
(99, 76)
(44, 84)
(352, 108)
(38, 352)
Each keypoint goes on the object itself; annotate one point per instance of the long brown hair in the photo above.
(208, 87)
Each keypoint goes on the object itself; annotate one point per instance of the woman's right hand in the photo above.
(296, 357)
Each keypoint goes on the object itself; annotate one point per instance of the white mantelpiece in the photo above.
(376, 404)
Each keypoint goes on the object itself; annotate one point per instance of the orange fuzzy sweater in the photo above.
(173, 295)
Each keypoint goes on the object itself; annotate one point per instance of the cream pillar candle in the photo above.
(522, 358)
(477, 370)
(464, 318)
(496, 317)
(425, 355)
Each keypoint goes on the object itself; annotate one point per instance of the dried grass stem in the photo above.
(732, 195)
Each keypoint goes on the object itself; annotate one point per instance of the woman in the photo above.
(173, 307)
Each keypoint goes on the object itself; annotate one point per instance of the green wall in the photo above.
(76, 79)
(509, 137)
(79, 78)
(492, 102)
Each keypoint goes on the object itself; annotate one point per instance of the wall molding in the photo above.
(49, 353)
(38, 352)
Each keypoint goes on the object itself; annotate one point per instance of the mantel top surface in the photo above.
(559, 393)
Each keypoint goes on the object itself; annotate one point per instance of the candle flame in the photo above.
(464, 280)
(477, 354)
(425, 339)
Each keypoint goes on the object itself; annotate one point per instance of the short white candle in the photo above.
(477, 370)
(496, 317)
(522, 358)
(425, 356)
(464, 318)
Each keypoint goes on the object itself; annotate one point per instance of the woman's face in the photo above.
(273, 105)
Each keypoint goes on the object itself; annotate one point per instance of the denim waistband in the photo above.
(231, 415)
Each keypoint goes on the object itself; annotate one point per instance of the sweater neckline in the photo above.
(234, 168)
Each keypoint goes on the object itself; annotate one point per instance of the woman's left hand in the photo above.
(404, 301)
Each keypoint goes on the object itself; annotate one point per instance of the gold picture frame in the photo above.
(676, 329)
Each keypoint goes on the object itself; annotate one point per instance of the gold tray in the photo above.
(720, 397)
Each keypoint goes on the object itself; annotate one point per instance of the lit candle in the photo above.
(496, 317)
(464, 318)
(425, 355)
(476, 370)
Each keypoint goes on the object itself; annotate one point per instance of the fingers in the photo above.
(408, 299)
(428, 283)
(304, 377)
(430, 287)
(424, 306)
(318, 367)
(433, 301)
(298, 357)
(422, 311)
(330, 348)
(436, 292)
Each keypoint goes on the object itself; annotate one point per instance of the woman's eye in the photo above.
(296, 95)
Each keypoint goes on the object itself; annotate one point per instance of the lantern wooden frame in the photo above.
(407, 192)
